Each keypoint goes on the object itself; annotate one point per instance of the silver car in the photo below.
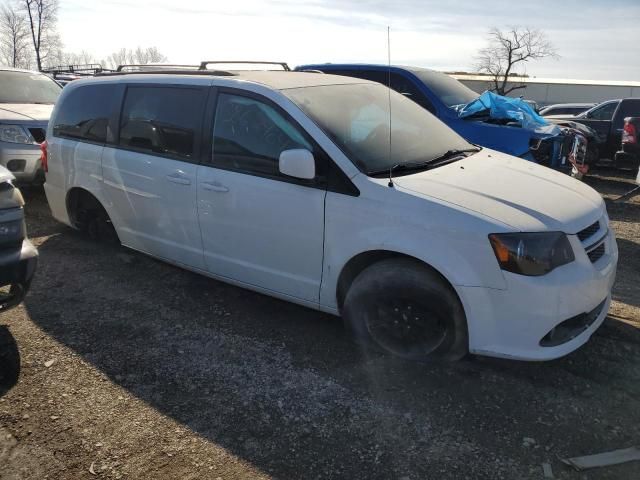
(26, 102)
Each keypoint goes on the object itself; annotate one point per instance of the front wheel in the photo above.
(406, 309)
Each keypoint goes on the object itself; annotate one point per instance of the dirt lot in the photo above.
(119, 366)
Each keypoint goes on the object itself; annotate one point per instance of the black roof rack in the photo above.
(138, 67)
(88, 69)
(203, 65)
(201, 69)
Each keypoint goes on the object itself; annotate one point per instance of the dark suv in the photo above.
(18, 257)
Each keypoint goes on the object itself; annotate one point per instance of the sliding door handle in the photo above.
(214, 187)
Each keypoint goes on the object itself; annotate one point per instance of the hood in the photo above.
(512, 191)
(21, 112)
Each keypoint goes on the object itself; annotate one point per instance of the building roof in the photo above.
(563, 81)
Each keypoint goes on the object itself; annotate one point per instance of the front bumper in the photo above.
(23, 161)
(17, 268)
(514, 322)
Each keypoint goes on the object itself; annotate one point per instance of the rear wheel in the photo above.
(407, 310)
(90, 217)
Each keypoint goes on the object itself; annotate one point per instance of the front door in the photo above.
(150, 176)
(258, 226)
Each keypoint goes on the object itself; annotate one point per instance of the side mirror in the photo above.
(297, 163)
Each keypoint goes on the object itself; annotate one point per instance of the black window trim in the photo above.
(331, 179)
(197, 142)
(110, 124)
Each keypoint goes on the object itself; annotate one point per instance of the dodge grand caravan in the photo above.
(303, 186)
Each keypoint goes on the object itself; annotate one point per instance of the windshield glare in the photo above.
(27, 87)
(356, 117)
(449, 90)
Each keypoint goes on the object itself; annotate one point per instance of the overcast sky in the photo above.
(596, 39)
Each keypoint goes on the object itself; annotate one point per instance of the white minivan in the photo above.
(340, 195)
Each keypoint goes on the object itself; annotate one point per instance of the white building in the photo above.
(547, 91)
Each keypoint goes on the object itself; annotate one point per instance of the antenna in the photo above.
(389, 97)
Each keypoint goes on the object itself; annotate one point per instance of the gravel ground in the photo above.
(119, 366)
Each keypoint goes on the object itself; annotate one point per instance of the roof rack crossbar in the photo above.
(203, 65)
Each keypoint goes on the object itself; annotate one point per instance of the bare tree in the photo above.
(42, 18)
(14, 38)
(511, 48)
(140, 55)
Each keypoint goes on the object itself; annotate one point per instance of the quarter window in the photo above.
(249, 136)
(86, 112)
(162, 120)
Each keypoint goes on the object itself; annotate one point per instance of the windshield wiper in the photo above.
(447, 157)
(450, 154)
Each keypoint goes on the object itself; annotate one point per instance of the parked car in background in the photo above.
(26, 102)
(341, 195)
(629, 154)
(18, 257)
(607, 120)
(445, 97)
(566, 109)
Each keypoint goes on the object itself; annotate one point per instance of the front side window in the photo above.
(249, 135)
(27, 87)
(357, 119)
(162, 119)
(603, 112)
(84, 113)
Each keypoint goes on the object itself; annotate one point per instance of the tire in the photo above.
(97, 225)
(382, 300)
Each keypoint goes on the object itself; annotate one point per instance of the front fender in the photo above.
(459, 251)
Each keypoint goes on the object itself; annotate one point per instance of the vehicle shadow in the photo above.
(282, 387)
(9, 361)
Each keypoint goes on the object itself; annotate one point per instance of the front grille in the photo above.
(589, 232)
(597, 253)
(38, 134)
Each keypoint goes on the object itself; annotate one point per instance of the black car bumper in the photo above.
(17, 267)
(628, 157)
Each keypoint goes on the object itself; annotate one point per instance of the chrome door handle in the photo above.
(179, 179)
(214, 187)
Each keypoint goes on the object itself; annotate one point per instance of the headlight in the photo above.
(15, 134)
(11, 232)
(531, 254)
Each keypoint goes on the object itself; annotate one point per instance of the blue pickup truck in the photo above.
(446, 97)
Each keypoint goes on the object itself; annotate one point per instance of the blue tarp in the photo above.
(507, 108)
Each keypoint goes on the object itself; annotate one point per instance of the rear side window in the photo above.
(399, 83)
(162, 120)
(605, 112)
(249, 136)
(630, 108)
(84, 113)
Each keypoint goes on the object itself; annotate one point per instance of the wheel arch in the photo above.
(80, 198)
(358, 263)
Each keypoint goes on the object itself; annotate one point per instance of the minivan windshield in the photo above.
(356, 117)
(449, 90)
(27, 87)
